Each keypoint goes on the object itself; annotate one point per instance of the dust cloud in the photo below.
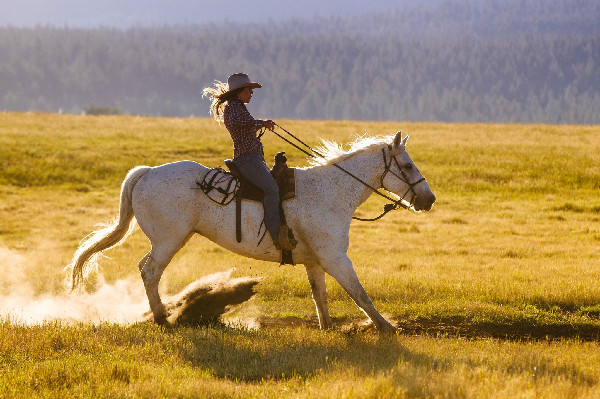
(123, 301)
(206, 300)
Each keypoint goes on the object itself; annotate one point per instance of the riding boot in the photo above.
(285, 242)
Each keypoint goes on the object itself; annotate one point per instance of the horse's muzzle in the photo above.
(424, 202)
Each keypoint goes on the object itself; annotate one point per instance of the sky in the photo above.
(127, 13)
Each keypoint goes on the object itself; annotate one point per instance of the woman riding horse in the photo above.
(228, 104)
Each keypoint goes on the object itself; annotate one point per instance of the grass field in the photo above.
(496, 289)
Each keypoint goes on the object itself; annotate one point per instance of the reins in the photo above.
(311, 152)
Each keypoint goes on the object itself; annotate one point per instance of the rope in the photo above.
(313, 154)
(386, 208)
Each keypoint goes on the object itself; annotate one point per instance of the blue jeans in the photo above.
(253, 167)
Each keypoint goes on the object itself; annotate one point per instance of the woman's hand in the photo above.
(269, 124)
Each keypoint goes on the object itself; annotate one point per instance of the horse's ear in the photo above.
(397, 139)
(404, 140)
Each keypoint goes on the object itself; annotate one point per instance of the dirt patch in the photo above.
(344, 324)
(451, 327)
(515, 331)
(204, 301)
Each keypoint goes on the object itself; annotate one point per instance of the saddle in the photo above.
(285, 178)
(283, 175)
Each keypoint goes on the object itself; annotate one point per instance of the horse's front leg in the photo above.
(342, 270)
(316, 278)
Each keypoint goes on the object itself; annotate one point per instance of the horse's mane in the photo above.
(334, 152)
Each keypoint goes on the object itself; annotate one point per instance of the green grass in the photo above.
(496, 288)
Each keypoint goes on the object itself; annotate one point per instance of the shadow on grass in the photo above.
(463, 326)
(294, 348)
(277, 354)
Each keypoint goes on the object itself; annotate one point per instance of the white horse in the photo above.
(169, 212)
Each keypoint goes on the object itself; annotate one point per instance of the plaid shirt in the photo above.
(242, 127)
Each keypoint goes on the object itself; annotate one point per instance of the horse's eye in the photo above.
(408, 166)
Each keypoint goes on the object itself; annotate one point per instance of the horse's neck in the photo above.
(346, 191)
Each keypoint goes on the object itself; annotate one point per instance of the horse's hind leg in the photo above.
(316, 278)
(142, 261)
(152, 267)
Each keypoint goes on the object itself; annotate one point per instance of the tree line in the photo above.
(329, 72)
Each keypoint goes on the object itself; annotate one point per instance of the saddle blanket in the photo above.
(222, 187)
(219, 185)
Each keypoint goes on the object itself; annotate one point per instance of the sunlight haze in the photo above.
(126, 13)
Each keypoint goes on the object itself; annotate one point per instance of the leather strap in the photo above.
(238, 218)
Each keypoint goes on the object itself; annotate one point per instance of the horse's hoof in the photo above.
(162, 320)
(389, 329)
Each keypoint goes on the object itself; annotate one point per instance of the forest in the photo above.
(455, 60)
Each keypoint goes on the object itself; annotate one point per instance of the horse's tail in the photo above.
(111, 234)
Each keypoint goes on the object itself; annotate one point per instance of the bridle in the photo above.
(402, 176)
(395, 203)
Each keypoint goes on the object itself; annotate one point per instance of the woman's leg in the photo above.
(253, 167)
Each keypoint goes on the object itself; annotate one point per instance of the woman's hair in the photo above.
(218, 96)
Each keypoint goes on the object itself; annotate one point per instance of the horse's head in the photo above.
(402, 177)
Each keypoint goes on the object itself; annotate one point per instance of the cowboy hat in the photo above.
(239, 80)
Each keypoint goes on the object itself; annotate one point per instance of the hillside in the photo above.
(453, 60)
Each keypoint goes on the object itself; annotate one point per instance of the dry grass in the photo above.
(496, 288)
